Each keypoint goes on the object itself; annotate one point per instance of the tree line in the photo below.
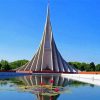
(5, 65)
(82, 66)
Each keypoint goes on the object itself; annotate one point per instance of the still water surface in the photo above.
(46, 87)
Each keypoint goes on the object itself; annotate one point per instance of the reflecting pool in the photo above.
(46, 87)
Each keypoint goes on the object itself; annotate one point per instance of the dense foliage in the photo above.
(5, 65)
(86, 66)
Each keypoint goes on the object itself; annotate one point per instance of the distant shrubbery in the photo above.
(86, 66)
(5, 65)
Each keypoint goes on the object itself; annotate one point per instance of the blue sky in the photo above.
(75, 24)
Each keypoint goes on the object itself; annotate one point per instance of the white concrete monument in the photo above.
(48, 57)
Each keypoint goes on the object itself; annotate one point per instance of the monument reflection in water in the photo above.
(46, 87)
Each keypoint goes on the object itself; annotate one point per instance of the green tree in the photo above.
(87, 67)
(83, 66)
(5, 65)
(18, 63)
(92, 66)
(76, 64)
(97, 67)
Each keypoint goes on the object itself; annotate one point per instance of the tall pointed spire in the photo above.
(48, 9)
(47, 56)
